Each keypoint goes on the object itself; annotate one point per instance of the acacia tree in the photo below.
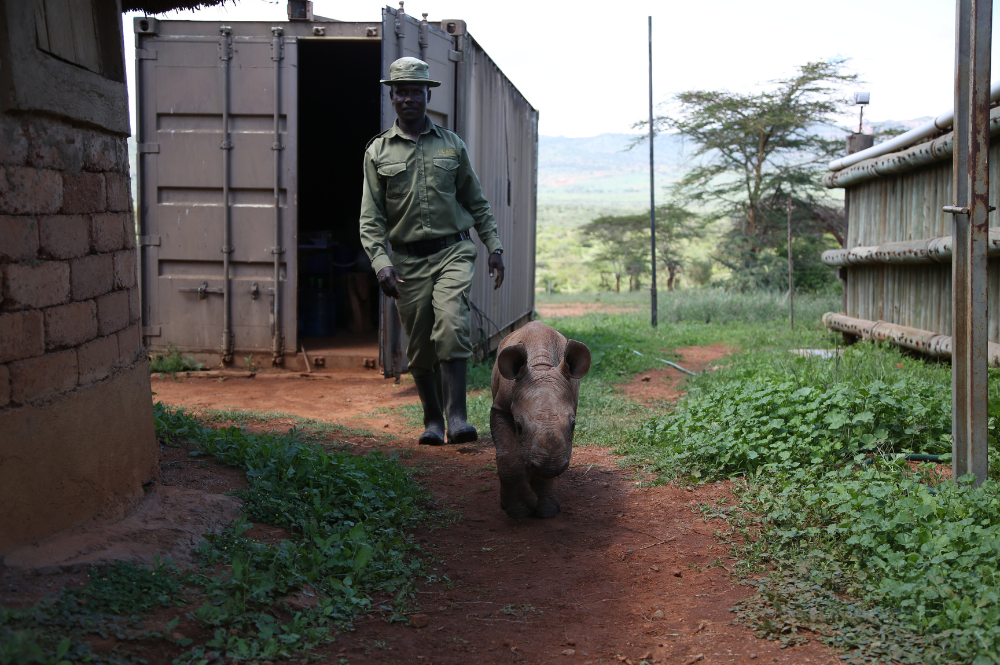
(620, 241)
(623, 241)
(752, 151)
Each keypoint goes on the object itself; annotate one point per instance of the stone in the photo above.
(112, 312)
(84, 192)
(569, 652)
(419, 620)
(22, 335)
(125, 273)
(119, 192)
(29, 191)
(4, 386)
(44, 376)
(658, 614)
(70, 325)
(91, 276)
(64, 236)
(20, 238)
(108, 231)
(97, 358)
(36, 285)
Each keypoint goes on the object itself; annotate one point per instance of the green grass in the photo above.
(172, 361)
(880, 560)
(348, 516)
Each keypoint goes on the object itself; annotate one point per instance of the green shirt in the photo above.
(421, 190)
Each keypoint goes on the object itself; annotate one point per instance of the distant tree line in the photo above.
(749, 154)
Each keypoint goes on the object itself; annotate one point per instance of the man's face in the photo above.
(410, 101)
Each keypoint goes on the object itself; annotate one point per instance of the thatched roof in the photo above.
(160, 6)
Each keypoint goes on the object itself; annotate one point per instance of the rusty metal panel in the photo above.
(183, 95)
(502, 135)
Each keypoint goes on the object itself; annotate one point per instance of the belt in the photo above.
(428, 247)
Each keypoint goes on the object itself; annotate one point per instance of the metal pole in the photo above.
(652, 190)
(791, 281)
(277, 343)
(226, 145)
(973, 26)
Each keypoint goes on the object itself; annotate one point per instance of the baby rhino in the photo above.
(536, 387)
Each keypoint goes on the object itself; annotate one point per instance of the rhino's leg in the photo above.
(516, 497)
(548, 504)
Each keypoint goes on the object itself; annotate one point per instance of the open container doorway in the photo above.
(339, 106)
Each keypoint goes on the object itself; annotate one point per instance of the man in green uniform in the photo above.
(422, 196)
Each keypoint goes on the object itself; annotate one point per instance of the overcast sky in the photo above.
(583, 64)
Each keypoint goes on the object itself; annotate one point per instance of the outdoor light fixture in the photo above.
(862, 99)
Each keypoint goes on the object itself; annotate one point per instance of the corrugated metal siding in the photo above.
(908, 207)
(502, 135)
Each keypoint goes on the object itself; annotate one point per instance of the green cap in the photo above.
(410, 70)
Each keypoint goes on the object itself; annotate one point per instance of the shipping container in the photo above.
(250, 140)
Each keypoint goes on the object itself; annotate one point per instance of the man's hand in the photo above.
(496, 268)
(387, 280)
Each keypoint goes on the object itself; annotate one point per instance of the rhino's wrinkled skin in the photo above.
(536, 387)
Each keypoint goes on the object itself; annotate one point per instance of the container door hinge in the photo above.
(145, 54)
(151, 331)
(277, 146)
(225, 145)
(148, 148)
(149, 241)
(456, 56)
(277, 250)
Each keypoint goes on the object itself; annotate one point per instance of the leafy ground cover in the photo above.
(885, 559)
(347, 516)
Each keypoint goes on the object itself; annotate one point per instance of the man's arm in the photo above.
(373, 218)
(469, 193)
(374, 229)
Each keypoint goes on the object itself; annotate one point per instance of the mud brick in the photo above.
(107, 231)
(98, 358)
(13, 142)
(134, 311)
(53, 145)
(64, 236)
(129, 343)
(91, 276)
(28, 191)
(35, 285)
(22, 335)
(112, 312)
(130, 230)
(125, 275)
(101, 153)
(4, 386)
(84, 192)
(70, 325)
(45, 375)
(18, 238)
(119, 192)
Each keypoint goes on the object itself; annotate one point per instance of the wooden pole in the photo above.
(652, 190)
(791, 281)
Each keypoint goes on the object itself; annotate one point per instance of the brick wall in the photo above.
(69, 303)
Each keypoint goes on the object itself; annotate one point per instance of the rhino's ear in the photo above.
(512, 362)
(576, 361)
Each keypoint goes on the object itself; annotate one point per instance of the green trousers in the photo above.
(434, 305)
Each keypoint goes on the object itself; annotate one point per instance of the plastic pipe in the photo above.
(943, 121)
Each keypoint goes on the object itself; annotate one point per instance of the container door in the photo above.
(404, 35)
(216, 186)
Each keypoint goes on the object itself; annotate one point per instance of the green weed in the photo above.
(172, 361)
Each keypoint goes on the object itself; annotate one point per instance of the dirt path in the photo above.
(623, 574)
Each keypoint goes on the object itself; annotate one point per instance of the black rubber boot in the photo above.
(429, 389)
(453, 382)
